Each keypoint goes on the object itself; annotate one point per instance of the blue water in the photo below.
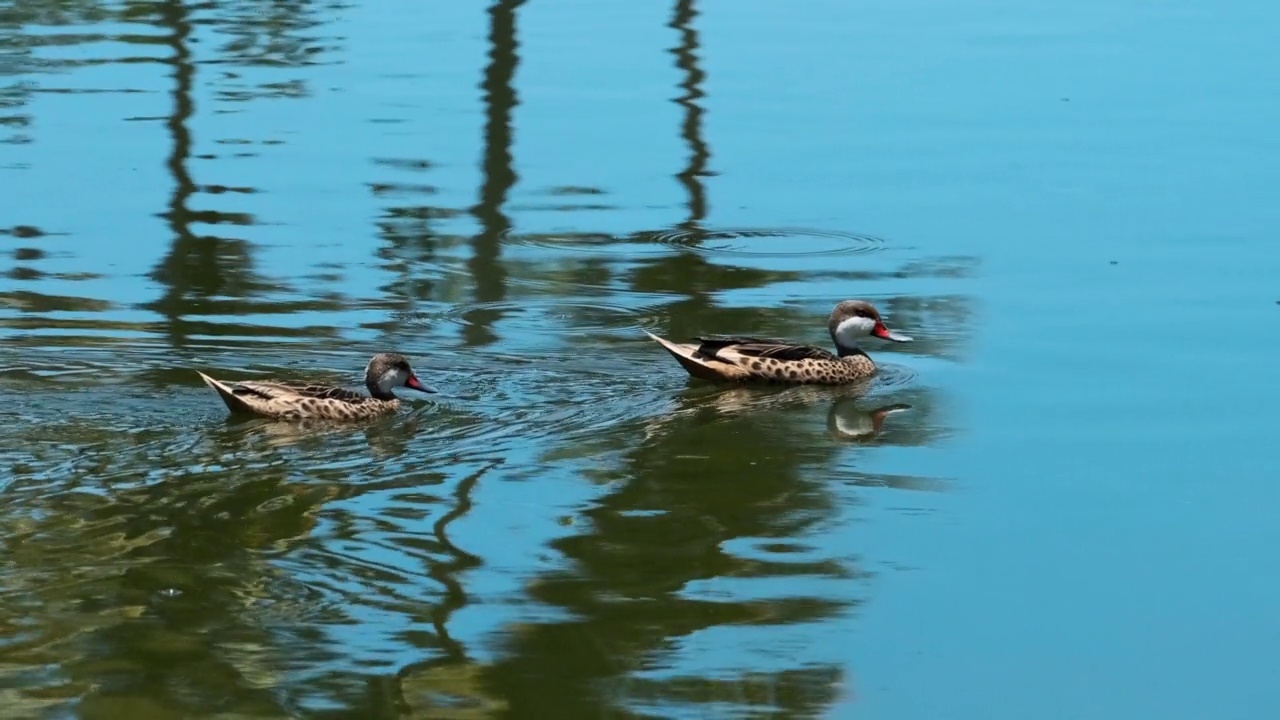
(1069, 207)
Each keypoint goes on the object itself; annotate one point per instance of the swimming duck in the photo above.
(286, 400)
(743, 359)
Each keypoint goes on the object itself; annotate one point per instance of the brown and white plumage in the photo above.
(286, 400)
(742, 359)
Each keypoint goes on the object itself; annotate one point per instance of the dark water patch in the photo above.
(287, 89)
(100, 329)
(411, 216)
(24, 273)
(27, 273)
(62, 39)
(241, 307)
(772, 557)
(563, 207)
(29, 253)
(323, 277)
(272, 36)
(264, 91)
(411, 165)
(214, 217)
(93, 91)
(109, 543)
(33, 302)
(382, 189)
(790, 693)
(23, 231)
(575, 190)
(223, 189)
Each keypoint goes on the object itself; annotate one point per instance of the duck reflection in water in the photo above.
(849, 420)
(385, 435)
(850, 416)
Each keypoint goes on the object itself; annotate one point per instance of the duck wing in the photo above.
(281, 389)
(761, 348)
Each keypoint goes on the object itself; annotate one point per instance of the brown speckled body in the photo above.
(297, 401)
(284, 400)
(744, 359)
(750, 359)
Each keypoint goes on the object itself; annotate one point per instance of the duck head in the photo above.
(390, 370)
(853, 320)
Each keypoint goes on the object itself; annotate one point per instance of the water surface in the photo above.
(1067, 513)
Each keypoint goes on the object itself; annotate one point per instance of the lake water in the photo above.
(1070, 206)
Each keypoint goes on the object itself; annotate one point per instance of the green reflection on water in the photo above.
(163, 562)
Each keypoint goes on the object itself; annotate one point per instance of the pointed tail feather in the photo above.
(696, 367)
(234, 403)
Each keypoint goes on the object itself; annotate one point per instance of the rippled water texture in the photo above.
(1055, 502)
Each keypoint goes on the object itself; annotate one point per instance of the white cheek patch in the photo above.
(850, 330)
(392, 378)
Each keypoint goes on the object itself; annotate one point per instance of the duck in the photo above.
(286, 400)
(749, 359)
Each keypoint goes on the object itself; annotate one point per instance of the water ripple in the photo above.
(758, 242)
(767, 242)
(891, 377)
